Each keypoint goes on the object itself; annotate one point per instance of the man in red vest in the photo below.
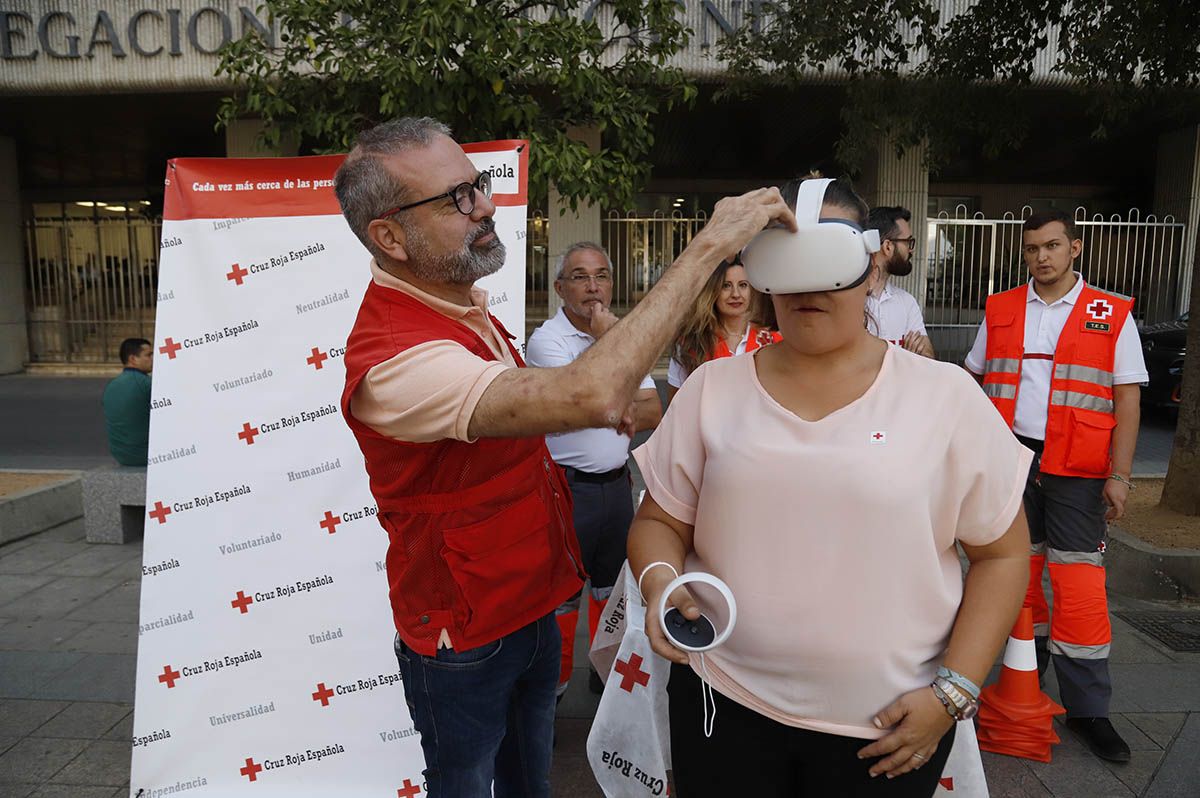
(451, 426)
(1061, 361)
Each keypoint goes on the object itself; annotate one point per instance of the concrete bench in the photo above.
(53, 499)
(114, 503)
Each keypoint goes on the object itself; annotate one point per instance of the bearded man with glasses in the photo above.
(893, 314)
(478, 515)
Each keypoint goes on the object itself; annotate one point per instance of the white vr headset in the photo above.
(822, 255)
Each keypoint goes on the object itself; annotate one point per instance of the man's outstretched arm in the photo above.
(596, 389)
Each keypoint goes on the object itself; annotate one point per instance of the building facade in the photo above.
(96, 95)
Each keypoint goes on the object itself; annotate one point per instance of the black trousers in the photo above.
(751, 755)
(602, 515)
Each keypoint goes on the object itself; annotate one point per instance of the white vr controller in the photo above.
(699, 635)
(822, 255)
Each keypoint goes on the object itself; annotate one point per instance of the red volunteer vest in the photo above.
(759, 336)
(481, 541)
(1080, 416)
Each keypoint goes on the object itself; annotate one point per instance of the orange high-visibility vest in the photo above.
(759, 336)
(1080, 416)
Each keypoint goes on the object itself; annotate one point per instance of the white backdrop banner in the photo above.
(265, 662)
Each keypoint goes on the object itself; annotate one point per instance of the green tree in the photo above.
(960, 77)
(501, 69)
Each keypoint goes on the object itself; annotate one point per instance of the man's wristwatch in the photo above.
(959, 705)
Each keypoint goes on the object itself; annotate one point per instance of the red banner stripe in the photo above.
(228, 188)
(194, 187)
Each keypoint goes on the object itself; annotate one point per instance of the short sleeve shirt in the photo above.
(836, 536)
(1043, 325)
(556, 343)
(894, 314)
(429, 392)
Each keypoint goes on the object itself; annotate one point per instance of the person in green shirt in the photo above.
(127, 403)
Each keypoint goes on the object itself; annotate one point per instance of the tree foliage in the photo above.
(961, 77)
(499, 69)
(962, 72)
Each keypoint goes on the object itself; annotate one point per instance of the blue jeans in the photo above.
(486, 714)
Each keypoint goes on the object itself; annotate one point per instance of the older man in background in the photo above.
(594, 460)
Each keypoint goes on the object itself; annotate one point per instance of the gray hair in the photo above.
(363, 185)
(580, 246)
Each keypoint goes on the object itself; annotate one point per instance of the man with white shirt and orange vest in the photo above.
(481, 549)
(594, 460)
(1062, 362)
(893, 314)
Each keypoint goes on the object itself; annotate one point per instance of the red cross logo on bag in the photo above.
(631, 672)
(1099, 309)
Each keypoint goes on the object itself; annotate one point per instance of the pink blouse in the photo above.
(836, 536)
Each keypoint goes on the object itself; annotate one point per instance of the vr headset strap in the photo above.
(809, 198)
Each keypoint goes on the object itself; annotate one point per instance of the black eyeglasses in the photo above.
(911, 243)
(463, 196)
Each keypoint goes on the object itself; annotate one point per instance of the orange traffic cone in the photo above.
(1015, 716)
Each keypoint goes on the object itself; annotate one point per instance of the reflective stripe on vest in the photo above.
(1083, 401)
(1000, 390)
(1068, 371)
(1002, 365)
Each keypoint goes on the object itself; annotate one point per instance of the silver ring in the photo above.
(918, 756)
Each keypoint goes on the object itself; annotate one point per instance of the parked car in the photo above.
(1164, 346)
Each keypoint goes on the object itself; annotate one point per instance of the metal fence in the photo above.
(537, 266)
(90, 284)
(641, 247)
(970, 257)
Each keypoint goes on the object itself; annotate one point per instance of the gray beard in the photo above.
(463, 267)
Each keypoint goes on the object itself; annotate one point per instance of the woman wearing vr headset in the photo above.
(826, 481)
(728, 318)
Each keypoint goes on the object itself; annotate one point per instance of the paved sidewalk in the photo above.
(68, 644)
(68, 640)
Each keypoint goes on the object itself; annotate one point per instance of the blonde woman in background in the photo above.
(728, 318)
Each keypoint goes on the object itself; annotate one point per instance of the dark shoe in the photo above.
(595, 683)
(1101, 737)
